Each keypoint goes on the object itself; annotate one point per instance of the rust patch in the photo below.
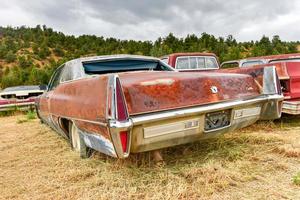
(186, 89)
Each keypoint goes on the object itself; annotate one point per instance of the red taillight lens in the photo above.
(121, 108)
(121, 114)
(124, 138)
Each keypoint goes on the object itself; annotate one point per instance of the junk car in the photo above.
(288, 69)
(20, 97)
(123, 104)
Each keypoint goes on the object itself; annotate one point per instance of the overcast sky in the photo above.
(150, 19)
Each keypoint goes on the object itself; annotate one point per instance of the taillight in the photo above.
(122, 114)
(121, 108)
(123, 137)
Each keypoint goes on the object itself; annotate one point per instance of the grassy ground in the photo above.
(259, 162)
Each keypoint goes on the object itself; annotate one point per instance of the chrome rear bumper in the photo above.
(159, 130)
(270, 111)
(291, 107)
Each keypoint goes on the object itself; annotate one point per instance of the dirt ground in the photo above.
(259, 162)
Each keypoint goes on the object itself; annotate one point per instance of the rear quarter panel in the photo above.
(84, 101)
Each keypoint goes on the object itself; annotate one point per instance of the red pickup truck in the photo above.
(192, 61)
(288, 69)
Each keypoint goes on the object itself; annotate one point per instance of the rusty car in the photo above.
(20, 97)
(123, 104)
(288, 69)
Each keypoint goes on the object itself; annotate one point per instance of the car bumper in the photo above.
(170, 128)
(291, 107)
(17, 106)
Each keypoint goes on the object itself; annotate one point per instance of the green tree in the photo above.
(10, 57)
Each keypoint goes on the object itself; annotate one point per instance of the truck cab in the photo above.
(192, 61)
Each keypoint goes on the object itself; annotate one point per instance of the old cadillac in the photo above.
(288, 69)
(126, 104)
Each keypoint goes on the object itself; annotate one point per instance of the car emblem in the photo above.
(214, 89)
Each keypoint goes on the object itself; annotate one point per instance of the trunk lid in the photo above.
(147, 92)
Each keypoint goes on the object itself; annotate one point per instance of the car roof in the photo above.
(115, 57)
(274, 57)
(190, 54)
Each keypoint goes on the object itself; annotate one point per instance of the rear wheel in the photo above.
(77, 142)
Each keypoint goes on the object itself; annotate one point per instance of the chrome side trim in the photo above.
(137, 120)
(79, 119)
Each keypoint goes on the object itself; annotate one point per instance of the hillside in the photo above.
(29, 55)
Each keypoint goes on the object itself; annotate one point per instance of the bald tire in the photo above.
(77, 142)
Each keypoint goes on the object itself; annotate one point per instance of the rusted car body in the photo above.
(288, 69)
(19, 97)
(126, 104)
(192, 61)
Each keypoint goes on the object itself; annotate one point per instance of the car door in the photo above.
(44, 102)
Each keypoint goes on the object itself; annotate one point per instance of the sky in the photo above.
(149, 19)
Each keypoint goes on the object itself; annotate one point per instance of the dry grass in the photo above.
(36, 163)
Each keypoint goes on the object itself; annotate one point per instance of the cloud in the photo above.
(150, 19)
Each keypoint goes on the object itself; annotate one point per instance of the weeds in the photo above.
(7, 113)
(30, 115)
(296, 179)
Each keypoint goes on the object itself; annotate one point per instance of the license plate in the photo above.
(217, 120)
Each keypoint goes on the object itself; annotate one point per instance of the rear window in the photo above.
(196, 62)
(286, 60)
(230, 65)
(251, 63)
(113, 66)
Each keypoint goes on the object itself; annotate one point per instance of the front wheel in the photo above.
(77, 142)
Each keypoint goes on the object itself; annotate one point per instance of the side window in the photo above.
(56, 78)
(66, 73)
(182, 63)
(193, 62)
(201, 62)
(211, 62)
(72, 71)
